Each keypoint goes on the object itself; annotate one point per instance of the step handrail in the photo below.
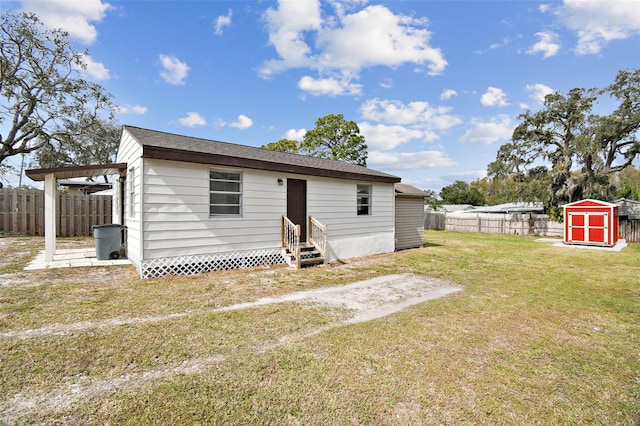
(318, 236)
(291, 238)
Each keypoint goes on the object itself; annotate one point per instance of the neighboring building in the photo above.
(192, 205)
(449, 208)
(409, 222)
(74, 186)
(628, 209)
(591, 222)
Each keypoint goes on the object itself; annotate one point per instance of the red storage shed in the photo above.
(591, 222)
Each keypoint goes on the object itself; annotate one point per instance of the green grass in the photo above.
(539, 335)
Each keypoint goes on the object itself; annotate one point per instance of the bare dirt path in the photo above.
(364, 301)
(367, 300)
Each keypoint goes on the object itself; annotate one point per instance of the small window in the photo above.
(364, 200)
(132, 189)
(225, 193)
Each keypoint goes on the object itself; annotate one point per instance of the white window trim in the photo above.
(131, 182)
(240, 193)
(370, 196)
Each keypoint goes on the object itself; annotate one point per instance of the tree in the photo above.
(460, 192)
(283, 145)
(337, 139)
(43, 97)
(96, 143)
(431, 199)
(581, 148)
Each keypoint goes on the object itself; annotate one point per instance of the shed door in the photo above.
(576, 227)
(597, 228)
(589, 227)
(297, 205)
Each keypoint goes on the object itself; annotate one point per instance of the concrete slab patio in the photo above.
(72, 258)
(559, 243)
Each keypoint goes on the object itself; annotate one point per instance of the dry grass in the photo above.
(540, 335)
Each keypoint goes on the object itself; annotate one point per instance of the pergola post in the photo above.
(50, 216)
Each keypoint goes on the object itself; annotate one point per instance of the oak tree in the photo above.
(45, 102)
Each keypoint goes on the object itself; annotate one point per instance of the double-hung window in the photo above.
(364, 200)
(131, 180)
(225, 193)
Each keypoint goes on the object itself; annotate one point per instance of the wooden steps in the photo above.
(309, 256)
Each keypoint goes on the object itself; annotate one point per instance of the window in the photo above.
(132, 189)
(225, 193)
(364, 200)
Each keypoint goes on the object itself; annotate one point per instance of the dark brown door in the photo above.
(297, 205)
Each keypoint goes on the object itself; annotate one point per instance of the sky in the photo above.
(436, 87)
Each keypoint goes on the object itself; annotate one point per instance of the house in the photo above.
(191, 205)
(409, 221)
(591, 222)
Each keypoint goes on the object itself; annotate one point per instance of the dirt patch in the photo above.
(362, 301)
(366, 300)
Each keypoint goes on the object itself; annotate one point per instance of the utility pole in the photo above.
(21, 170)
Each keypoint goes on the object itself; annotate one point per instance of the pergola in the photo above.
(50, 178)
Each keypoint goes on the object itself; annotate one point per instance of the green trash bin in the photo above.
(107, 241)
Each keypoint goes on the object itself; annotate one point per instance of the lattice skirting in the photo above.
(196, 264)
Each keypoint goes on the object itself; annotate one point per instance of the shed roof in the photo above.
(408, 190)
(169, 146)
(588, 202)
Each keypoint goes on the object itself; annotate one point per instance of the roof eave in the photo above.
(161, 153)
(38, 175)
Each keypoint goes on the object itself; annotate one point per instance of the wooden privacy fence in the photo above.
(525, 224)
(630, 230)
(22, 212)
(515, 224)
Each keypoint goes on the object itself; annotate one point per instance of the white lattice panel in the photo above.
(191, 265)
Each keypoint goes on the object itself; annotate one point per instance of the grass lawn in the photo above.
(538, 335)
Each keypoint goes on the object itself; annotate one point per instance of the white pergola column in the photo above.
(50, 216)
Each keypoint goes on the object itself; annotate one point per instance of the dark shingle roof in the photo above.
(169, 146)
(408, 190)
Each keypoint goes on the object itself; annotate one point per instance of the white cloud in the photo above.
(419, 114)
(243, 122)
(494, 97)
(344, 42)
(448, 94)
(409, 160)
(470, 175)
(136, 109)
(380, 137)
(174, 70)
(538, 91)
(496, 129)
(74, 17)
(221, 22)
(295, 134)
(375, 36)
(328, 86)
(544, 8)
(287, 26)
(192, 119)
(502, 43)
(95, 70)
(547, 44)
(598, 22)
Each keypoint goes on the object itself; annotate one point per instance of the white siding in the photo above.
(409, 222)
(130, 152)
(177, 223)
(333, 203)
(176, 211)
